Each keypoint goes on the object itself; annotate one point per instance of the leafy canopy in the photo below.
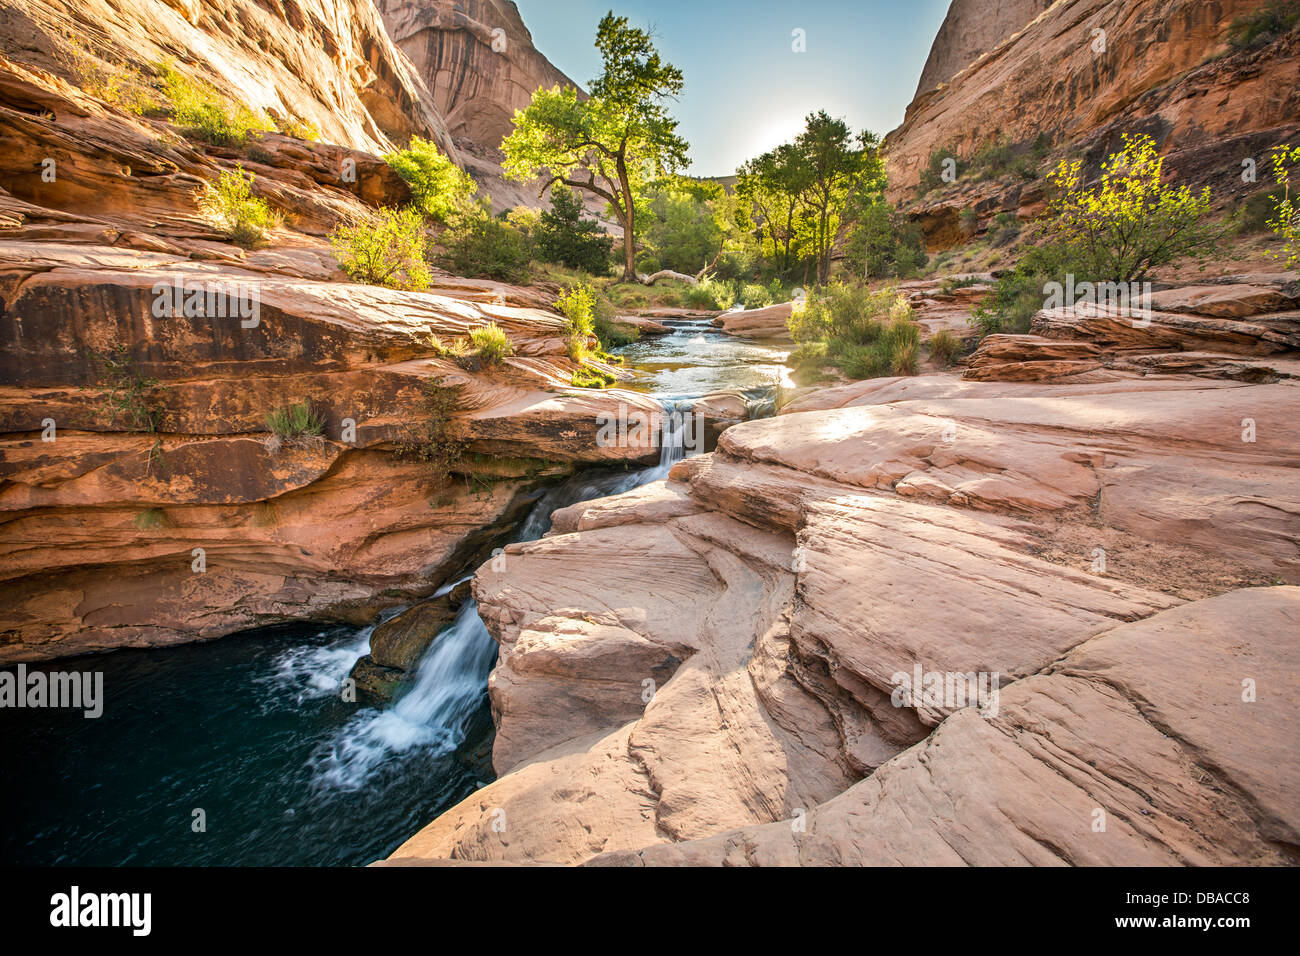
(613, 143)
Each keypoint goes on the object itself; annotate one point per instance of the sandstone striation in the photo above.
(701, 671)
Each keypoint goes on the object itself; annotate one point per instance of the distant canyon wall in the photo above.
(1085, 71)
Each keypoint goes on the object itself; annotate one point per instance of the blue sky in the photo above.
(746, 90)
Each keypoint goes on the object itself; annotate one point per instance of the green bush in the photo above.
(588, 377)
(884, 243)
(565, 237)
(297, 128)
(578, 306)
(1019, 294)
(710, 295)
(429, 439)
(204, 114)
(1001, 158)
(865, 334)
(1005, 228)
(754, 296)
(483, 247)
(945, 347)
(1258, 209)
(491, 342)
(128, 394)
(230, 202)
(387, 249)
(932, 175)
(298, 422)
(1270, 21)
(442, 190)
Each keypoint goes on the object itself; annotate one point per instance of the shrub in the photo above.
(882, 242)
(710, 294)
(387, 249)
(1264, 25)
(1019, 294)
(578, 306)
(128, 393)
(298, 129)
(945, 348)
(442, 190)
(491, 342)
(1130, 222)
(429, 439)
(1001, 158)
(932, 175)
(969, 221)
(588, 377)
(119, 85)
(753, 296)
(865, 334)
(295, 424)
(1286, 214)
(481, 246)
(454, 349)
(203, 113)
(231, 204)
(565, 237)
(1005, 228)
(1257, 210)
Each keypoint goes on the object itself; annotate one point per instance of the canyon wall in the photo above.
(1080, 75)
(970, 29)
(479, 60)
(143, 498)
(326, 62)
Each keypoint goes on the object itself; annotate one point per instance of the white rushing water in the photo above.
(436, 710)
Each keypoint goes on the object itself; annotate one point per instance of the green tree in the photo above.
(564, 236)
(838, 164)
(798, 191)
(770, 187)
(683, 225)
(612, 144)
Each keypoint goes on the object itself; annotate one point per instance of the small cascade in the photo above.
(437, 711)
(434, 713)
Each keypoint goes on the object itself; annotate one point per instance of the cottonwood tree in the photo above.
(798, 192)
(615, 142)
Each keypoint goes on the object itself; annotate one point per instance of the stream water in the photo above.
(249, 735)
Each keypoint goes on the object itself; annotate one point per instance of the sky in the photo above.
(746, 88)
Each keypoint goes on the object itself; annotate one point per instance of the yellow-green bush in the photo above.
(203, 113)
(386, 249)
(491, 342)
(231, 204)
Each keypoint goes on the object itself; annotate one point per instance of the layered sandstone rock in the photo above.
(1162, 68)
(145, 500)
(330, 63)
(477, 58)
(970, 29)
(1240, 327)
(688, 670)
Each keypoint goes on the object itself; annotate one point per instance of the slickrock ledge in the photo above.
(701, 671)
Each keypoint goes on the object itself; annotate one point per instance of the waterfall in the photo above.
(437, 708)
(435, 712)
